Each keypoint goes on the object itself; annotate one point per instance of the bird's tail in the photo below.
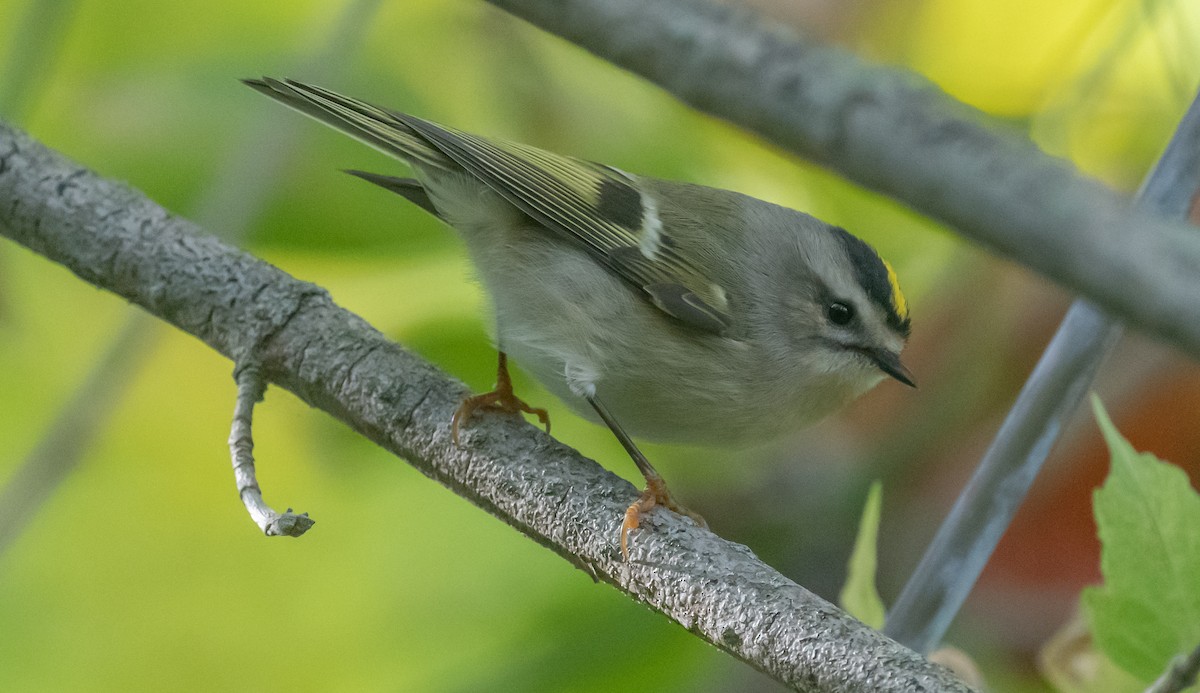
(380, 128)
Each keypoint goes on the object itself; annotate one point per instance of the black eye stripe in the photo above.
(872, 275)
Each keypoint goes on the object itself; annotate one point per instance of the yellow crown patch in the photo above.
(898, 300)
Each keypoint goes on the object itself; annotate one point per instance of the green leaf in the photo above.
(1148, 515)
(859, 596)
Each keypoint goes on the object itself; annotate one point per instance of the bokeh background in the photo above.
(141, 571)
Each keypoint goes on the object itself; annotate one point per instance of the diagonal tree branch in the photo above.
(252, 312)
(933, 595)
(896, 133)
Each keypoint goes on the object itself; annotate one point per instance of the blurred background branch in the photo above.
(1180, 675)
(985, 509)
(32, 50)
(69, 435)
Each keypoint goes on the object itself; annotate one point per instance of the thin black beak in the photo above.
(889, 363)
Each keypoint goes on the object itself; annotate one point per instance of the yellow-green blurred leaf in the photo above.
(859, 596)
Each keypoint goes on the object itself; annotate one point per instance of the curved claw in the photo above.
(656, 493)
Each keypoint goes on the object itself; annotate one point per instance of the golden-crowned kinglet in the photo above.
(683, 312)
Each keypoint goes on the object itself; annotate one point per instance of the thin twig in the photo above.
(1180, 674)
(250, 389)
(968, 536)
(246, 309)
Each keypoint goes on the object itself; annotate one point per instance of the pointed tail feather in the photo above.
(377, 127)
(409, 188)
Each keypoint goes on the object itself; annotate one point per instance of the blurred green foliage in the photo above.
(144, 572)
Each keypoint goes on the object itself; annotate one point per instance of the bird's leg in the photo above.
(499, 399)
(656, 492)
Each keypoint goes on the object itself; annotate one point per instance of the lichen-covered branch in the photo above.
(251, 312)
(893, 131)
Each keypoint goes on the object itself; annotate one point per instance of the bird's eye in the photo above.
(840, 313)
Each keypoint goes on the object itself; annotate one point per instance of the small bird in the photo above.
(666, 310)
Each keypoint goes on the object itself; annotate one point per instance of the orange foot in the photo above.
(656, 493)
(500, 399)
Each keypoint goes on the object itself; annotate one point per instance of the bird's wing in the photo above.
(607, 212)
